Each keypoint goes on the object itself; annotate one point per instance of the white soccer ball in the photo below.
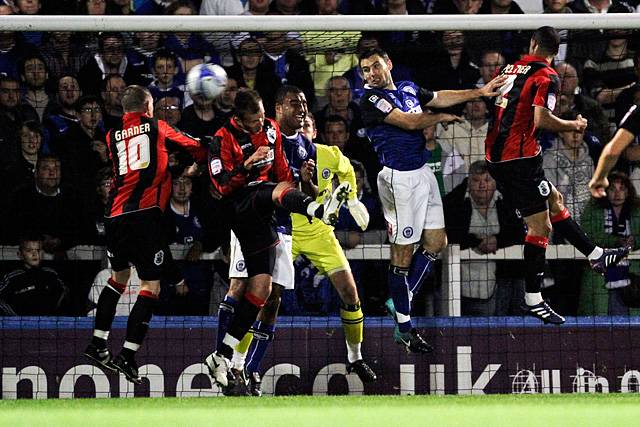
(208, 80)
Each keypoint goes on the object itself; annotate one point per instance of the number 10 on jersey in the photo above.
(133, 154)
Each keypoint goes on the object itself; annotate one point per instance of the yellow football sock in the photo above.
(353, 323)
(243, 345)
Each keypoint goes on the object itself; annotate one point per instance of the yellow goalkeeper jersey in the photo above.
(329, 162)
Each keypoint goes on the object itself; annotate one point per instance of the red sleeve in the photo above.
(226, 167)
(547, 86)
(281, 164)
(190, 144)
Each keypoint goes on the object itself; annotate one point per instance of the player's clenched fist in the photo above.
(581, 123)
(598, 187)
(306, 170)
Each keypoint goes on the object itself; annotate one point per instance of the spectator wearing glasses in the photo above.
(82, 148)
(169, 109)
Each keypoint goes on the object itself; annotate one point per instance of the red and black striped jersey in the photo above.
(231, 146)
(512, 133)
(139, 156)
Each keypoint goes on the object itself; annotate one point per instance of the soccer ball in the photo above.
(208, 80)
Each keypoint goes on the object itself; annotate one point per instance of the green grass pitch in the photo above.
(332, 411)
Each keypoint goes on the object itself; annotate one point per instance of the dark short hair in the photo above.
(371, 52)
(87, 99)
(284, 91)
(46, 157)
(548, 39)
(108, 78)
(33, 126)
(247, 102)
(334, 118)
(29, 236)
(109, 35)
(8, 78)
(479, 167)
(569, 115)
(241, 47)
(28, 57)
(134, 98)
(165, 54)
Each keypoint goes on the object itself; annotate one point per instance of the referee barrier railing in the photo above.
(452, 257)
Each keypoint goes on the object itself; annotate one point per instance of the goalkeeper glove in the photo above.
(359, 213)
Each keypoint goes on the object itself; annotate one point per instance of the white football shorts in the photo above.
(411, 203)
(283, 273)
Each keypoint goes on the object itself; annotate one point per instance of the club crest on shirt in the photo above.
(326, 173)
(240, 266)
(158, 258)
(302, 153)
(407, 232)
(544, 188)
(409, 89)
(271, 135)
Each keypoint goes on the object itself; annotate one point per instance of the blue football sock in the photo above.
(262, 337)
(225, 316)
(421, 265)
(399, 290)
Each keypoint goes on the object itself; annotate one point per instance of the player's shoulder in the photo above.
(408, 87)
(632, 115)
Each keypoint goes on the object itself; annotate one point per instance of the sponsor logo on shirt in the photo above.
(384, 105)
(216, 166)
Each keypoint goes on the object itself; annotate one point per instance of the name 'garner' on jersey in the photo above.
(397, 148)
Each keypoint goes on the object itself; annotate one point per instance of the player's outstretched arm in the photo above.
(608, 159)
(413, 121)
(545, 119)
(447, 98)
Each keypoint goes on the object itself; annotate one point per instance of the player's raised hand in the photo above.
(492, 88)
(581, 123)
(306, 170)
(259, 155)
(598, 187)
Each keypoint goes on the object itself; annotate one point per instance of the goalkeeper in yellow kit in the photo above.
(313, 239)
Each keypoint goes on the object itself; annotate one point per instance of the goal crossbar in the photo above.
(318, 23)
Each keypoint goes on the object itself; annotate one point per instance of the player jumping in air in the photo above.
(141, 189)
(394, 117)
(525, 105)
(249, 170)
(313, 239)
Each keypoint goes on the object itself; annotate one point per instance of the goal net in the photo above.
(61, 81)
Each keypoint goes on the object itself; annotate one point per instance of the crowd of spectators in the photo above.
(60, 93)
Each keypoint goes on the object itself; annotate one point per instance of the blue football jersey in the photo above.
(298, 149)
(397, 148)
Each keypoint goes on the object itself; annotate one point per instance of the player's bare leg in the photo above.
(352, 322)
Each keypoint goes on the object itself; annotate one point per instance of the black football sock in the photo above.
(106, 311)
(138, 323)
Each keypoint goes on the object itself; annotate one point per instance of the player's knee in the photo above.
(542, 228)
(237, 288)
(401, 255)
(436, 244)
